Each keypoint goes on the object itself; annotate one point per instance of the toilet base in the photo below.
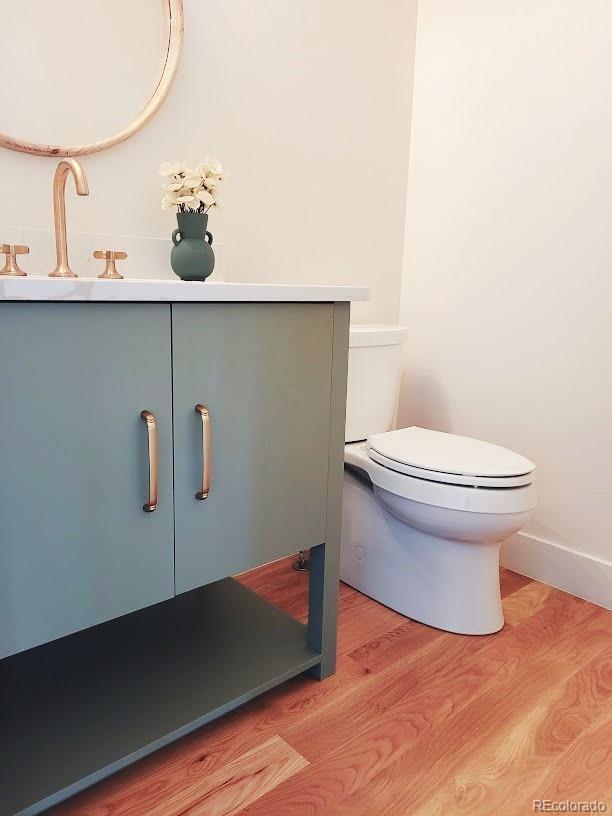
(451, 585)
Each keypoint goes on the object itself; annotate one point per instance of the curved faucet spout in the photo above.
(66, 166)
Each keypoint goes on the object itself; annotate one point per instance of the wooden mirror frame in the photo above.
(170, 64)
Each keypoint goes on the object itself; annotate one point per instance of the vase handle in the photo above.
(209, 238)
(176, 241)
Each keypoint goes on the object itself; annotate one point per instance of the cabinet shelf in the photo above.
(80, 708)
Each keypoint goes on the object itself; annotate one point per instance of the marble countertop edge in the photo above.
(96, 290)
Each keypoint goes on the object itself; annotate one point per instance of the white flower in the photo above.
(206, 198)
(169, 201)
(188, 189)
(210, 167)
(172, 168)
(214, 166)
(191, 201)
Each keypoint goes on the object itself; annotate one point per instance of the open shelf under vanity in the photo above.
(78, 709)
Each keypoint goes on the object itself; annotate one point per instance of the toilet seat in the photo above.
(450, 459)
(469, 498)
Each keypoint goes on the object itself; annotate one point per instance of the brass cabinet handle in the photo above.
(202, 410)
(151, 505)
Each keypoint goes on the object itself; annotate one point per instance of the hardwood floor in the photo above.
(415, 721)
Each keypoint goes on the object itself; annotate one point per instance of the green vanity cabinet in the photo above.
(263, 372)
(141, 632)
(76, 548)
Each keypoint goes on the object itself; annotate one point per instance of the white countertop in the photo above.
(92, 289)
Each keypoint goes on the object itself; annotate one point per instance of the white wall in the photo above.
(307, 103)
(507, 287)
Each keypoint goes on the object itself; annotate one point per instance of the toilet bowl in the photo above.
(425, 512)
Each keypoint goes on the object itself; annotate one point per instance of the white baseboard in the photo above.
(577, 573)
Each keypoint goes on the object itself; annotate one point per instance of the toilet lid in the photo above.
(450, 458)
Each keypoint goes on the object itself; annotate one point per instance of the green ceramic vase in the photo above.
(192, 256)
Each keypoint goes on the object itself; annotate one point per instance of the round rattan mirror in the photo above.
(73, 74)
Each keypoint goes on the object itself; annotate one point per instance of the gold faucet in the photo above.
(62, 269)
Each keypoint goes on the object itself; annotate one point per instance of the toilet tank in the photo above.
(374, 369)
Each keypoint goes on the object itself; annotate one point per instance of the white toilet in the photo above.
(424, 512)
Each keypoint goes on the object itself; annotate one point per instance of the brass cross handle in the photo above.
(11, 267)
(110, 256)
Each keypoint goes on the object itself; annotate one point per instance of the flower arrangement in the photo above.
(192, 190)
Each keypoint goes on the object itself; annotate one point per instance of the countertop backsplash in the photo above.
(148, 258)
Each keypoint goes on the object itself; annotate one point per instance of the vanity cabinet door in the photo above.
(263, 373)
(76, 547)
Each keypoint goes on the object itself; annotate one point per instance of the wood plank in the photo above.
(438, 681)
(223, 792)
(380, 734)
(525, 602)
(280, 584)
(583, 772)
(240, 783)
(361, 620)
(409, 784)
(516, 738)
(393, 645)
(510, 582)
